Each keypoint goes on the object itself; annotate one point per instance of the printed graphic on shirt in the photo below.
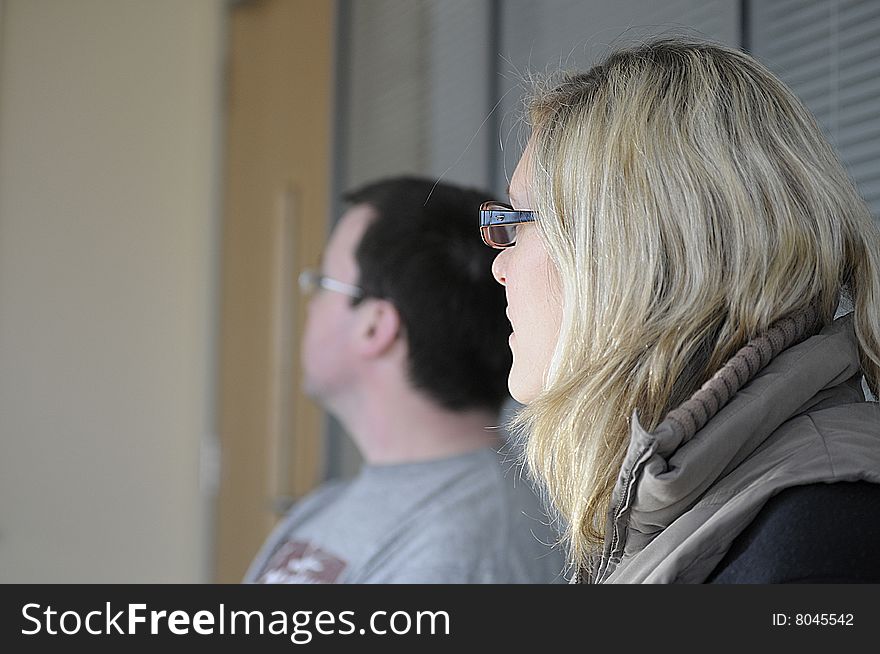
(301, 562)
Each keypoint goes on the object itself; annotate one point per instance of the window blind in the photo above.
(828, 52)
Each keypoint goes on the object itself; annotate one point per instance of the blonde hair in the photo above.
(688, 201)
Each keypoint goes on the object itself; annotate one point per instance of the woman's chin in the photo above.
(520, 386)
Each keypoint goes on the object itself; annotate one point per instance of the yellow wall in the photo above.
(109, 150)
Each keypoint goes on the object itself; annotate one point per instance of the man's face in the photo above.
(328, 358)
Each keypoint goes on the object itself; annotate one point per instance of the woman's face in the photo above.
(534, 305)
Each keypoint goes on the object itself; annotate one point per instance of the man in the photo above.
(406, 344)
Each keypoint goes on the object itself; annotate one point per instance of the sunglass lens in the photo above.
(499, 236)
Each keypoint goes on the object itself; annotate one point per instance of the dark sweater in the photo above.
(818, 533)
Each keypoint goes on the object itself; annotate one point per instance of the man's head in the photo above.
(429, 303)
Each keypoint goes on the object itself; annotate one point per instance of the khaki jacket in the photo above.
(778, 415)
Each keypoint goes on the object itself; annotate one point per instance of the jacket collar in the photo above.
(774, 378)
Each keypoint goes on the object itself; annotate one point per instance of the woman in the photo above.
(683, 238)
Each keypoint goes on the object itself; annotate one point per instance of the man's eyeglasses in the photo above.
(311, 280)
(498, 223)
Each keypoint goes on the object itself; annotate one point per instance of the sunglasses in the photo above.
(498, 223)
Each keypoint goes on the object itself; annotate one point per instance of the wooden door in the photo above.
(276, 202)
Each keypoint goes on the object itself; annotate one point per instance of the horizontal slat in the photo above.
(662, 12)
(775, 10)
(852, 117)
(803, 19)
(869, 190)
(871, 195)
(817, 88)
(861, 153)
(864, 90)
(867, 131)
(706, 13)
(868, 176)
(790, 43)
(856, 113)
(822, 107)
(850, 106)
(846, 5)
(808, 69)
(862, 12)
(786, 59)
(860, 74)
(872, 199)
(854, 51)
(860, 31)
(848, 66)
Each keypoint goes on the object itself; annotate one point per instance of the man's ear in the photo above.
(378, 327)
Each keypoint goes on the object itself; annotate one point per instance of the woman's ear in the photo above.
(378, 327)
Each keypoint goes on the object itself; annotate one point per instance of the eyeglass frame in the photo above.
(310, 280)
(496, 214)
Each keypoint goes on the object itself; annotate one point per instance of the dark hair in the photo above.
(423, 253)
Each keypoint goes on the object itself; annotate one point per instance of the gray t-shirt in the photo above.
(465, 519)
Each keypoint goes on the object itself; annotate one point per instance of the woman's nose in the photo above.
(499, 269)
